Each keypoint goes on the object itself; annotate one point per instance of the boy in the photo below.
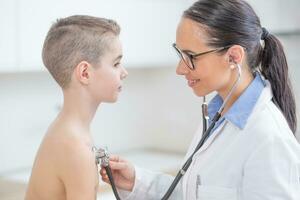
(83, 55)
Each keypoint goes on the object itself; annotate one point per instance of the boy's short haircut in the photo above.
(73, 39)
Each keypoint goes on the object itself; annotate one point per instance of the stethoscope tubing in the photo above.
(205, 134)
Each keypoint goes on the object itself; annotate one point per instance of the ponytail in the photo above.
(275, 68)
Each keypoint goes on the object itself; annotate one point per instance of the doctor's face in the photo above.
(211, 70)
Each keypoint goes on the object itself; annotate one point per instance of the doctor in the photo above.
(252, 153)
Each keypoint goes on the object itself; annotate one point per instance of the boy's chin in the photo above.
(111, 100)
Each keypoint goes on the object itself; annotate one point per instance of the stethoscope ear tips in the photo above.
(232, 66)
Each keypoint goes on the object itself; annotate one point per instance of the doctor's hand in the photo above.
(123, 173)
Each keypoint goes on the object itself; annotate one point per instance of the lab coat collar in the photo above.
(240, 111)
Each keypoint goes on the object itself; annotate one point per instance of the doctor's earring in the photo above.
(232, 63)
(232, 66)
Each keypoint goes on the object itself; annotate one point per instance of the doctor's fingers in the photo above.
(118, 165)
(105, 179)
(116, 158)
(104, 175)
(115, 166)
(103, 172)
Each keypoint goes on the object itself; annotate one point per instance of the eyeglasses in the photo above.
(188, 57)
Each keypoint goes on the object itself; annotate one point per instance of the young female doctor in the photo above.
(251, 152)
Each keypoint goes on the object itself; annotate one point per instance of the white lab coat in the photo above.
(259, 162)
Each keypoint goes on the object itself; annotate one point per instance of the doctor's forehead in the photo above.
(190, 33)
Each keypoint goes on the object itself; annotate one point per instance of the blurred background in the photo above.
(156, 116)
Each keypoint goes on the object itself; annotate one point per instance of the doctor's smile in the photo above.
(192, 83)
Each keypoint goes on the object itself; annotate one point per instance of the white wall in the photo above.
(278, 15)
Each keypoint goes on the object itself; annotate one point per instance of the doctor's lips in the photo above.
(193, 82)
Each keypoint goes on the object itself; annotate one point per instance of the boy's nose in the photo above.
(124, 73)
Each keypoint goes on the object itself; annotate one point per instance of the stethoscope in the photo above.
(102, 157)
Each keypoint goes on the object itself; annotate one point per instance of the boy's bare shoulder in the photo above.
(74, 151)
(76, 163)
(69, 146)
(64, 159)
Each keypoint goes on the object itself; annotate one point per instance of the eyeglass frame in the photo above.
(194, 56)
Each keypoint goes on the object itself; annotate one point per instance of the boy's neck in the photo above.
(78, 109)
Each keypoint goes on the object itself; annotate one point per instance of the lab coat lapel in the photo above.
(212, 137)
(264, 97)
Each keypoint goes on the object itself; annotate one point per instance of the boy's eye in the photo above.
(117, 64)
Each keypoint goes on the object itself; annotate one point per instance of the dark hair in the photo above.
(234, 22)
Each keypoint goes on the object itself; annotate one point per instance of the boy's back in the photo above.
(64, 158)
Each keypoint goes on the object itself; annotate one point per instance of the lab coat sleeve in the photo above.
(272, 172)
(151, 186)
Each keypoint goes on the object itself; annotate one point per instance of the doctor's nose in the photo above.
(182, 68)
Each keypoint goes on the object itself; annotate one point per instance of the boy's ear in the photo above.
(83, 72)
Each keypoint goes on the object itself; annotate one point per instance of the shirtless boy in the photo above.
(83, 55)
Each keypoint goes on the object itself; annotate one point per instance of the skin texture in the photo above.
(215, 71)
(65, 167)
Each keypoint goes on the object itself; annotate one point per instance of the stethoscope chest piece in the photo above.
(101, 156)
